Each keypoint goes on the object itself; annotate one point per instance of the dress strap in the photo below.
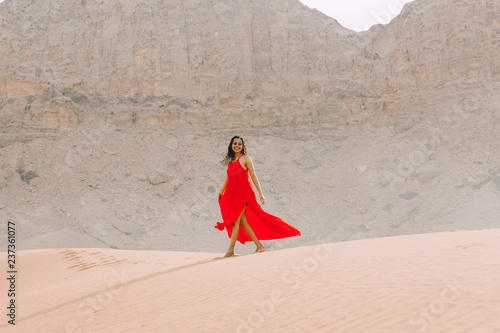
(238, 158)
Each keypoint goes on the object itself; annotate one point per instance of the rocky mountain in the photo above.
(114, 115)
(66, 54)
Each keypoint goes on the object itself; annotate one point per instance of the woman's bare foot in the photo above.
(229, 254)
(260, 249)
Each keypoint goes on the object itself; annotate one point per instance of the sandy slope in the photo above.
(436, 282)
(114, 117)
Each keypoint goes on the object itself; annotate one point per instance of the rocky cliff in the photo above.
(58, 56)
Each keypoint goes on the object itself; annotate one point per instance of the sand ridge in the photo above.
(436, 282)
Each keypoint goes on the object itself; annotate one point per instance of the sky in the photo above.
(357, 15)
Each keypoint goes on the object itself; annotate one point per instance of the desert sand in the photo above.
(435, 282)
(114, 116)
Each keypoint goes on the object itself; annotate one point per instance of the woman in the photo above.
(239, 205)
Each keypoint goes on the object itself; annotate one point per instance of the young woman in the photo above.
(239, 205)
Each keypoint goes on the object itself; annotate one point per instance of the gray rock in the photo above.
(158, 177)
(26, 176)
(425, 177)
(308, 160)
(165, 190)
(387, 207)
(408, 195)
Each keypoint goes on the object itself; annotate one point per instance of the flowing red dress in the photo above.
(239, 193)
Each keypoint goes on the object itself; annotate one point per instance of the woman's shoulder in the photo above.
(245, 157)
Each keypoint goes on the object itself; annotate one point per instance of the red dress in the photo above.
(239, 193)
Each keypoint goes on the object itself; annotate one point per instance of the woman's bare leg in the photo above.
(251, 233)
(234, 236)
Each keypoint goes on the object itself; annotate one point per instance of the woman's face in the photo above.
(237, 145)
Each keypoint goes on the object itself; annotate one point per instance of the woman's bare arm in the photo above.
(253, 175)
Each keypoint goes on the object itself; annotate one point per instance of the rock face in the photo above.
(123, 109)
(205, 51)
(165, 62)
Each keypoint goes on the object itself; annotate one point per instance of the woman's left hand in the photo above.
(262, 199)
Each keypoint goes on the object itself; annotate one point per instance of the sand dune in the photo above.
(437, 282)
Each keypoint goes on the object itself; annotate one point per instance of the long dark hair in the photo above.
(230, 153)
